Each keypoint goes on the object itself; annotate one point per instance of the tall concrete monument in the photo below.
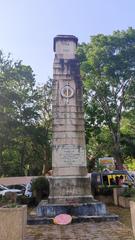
(70, 185)
(70, 182)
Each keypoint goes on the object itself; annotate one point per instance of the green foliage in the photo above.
(128, 137)
(24, 200)
(7, 202)
(130, 163)
(99, 145)
(129, 192)
(99, 167)
(3, 201)
(24, 139)
(11, 205)
(40, 188)
(108, 71)
(104, 190)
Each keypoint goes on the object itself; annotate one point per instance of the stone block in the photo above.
(124, 201)
(132, 211)
(82, 209)
(68, 121)
(73, 141)
(116, 193)
(62, 135)
(68, 155)
(70, 188)
(13, 222)
(66, 115)
(68, 127)
(70, 171)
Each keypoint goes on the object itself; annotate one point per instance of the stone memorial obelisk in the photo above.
(69, 182)
(70, 190)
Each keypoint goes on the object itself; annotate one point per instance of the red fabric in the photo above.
(62, 219)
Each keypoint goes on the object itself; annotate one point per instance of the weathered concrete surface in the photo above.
(68, 189)
(13, 223)
(132, 210)
(116, 193)
(124, 202)
(68, 141)
(80, 231)
(74, 209)
(69, 178)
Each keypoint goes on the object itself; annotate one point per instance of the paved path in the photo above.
(80, 231)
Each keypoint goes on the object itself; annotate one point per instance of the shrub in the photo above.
(7, 202)
(29, 201)
(129, 192)
(40, 188)
(106, 191)
(3, 201)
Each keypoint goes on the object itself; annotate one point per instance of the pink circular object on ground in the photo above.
(62, 219)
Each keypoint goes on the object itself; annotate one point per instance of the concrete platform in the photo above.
(93, 208)
(87, 212)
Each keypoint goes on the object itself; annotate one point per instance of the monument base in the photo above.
(87, 212)
(94, 208)
(72, 195)
(69, 190)
(70, 199)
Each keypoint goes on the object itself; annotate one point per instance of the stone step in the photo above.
(44, 220)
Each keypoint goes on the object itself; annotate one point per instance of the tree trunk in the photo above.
(117, 151)
(45, 165)
(22, 160)
(117, 157)
(1, 163)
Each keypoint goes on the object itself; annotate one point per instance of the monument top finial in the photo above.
(64, 38)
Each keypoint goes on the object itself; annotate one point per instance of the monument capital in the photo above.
(65, 46)
(64, 38)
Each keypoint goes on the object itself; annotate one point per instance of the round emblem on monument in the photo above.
(67, 91)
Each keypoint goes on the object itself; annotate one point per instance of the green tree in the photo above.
(22, 87)
(6, 107)
(108, 70)
(45, 106)
(25, 120)
(18, 111)
(128, 136)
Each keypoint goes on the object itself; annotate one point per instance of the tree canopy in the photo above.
(23, 135)
(107, 66)
(108, 71)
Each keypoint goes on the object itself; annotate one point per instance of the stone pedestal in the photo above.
(70, 189)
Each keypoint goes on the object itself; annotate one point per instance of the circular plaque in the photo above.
(67, 91)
